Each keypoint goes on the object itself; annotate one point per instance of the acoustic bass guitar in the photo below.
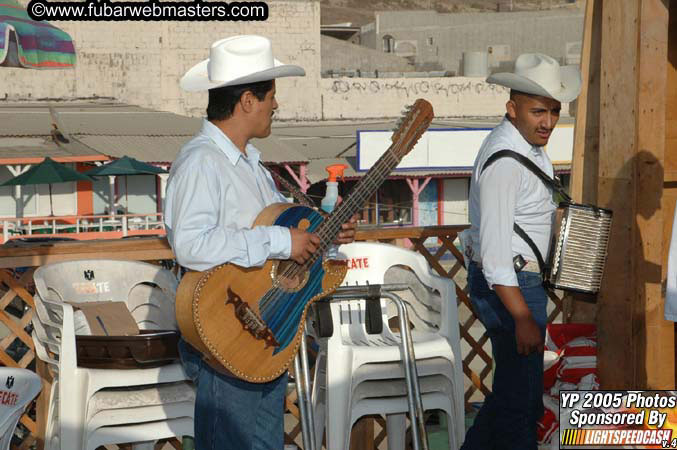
(248, 320)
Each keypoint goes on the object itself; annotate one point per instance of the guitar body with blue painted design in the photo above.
(247, 321)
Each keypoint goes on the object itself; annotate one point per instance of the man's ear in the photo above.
(247, 101)
(511, 109)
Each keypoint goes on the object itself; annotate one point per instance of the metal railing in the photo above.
(81, 227)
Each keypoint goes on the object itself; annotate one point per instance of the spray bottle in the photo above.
(330, 198)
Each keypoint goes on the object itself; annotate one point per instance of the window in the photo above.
(388, 44)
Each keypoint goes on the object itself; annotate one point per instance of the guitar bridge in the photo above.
(250, 321)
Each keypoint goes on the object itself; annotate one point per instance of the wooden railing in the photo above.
(17, 265)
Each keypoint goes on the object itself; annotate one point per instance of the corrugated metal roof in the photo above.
(115, 130)
(165, 148)
(151, 123)
(47, 148)
(35, 120)
(25, 123)
(143, 148)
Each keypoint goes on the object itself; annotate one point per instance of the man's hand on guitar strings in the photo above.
(347, 233)
(303, 245)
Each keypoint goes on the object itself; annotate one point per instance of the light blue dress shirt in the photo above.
(214, 194)
(505, 193)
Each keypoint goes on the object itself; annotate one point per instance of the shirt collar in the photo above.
(226, 145)
(521, 144)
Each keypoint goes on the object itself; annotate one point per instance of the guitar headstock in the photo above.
(413, 124)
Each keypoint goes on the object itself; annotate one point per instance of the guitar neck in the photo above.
(411, 127)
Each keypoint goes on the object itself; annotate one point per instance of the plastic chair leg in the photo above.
(338, 414)
(396, 426)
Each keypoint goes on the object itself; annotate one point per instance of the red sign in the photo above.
(358, 263)
(8, 398)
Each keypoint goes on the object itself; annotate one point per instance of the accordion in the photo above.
(580, 237)
(579, 248)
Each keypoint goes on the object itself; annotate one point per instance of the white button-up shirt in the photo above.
(214, 193)
(505, 193)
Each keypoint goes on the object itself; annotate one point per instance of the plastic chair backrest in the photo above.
(148, 290)
(54, 330)
(18, 387)
(377, 263)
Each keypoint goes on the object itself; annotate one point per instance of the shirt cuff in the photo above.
(280, 242)
(501, 276)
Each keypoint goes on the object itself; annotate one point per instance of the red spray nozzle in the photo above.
(335, 171)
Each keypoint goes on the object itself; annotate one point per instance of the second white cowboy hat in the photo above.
(540, 74)
(237, 60)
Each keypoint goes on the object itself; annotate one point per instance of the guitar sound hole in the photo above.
(280, 274)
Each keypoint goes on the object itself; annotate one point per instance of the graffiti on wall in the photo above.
(415, 88)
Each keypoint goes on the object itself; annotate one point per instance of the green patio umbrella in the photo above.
(123, 166)
(47, 172)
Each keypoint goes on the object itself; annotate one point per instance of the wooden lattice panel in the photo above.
(478, 344)
(16, 295)
(17, 349)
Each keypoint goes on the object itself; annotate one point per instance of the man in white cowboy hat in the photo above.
(503, 274)
(216, 189)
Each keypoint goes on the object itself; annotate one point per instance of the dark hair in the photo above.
(222, 100)
(515, 92)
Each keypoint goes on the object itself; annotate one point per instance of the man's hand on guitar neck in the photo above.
(303, 245)
(347, 233)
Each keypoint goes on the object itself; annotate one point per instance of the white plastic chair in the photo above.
(18, 388)
(352, 357)
(88, 406)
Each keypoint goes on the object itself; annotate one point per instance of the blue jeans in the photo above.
(509, 415)
(232, 414)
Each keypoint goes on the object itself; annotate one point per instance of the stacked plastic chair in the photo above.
(18, 388)
(358, 373)
(93, 407)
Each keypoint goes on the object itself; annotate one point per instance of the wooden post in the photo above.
(670, 184)
(635, 342)
(585, 160)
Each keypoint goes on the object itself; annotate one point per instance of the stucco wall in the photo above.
(141, 62)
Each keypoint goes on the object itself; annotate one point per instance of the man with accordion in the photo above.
(509, 206)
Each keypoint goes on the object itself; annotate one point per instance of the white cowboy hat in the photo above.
(237, 60)
(540, 74)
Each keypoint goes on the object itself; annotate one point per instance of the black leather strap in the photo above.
(529, 164)
(547, 180)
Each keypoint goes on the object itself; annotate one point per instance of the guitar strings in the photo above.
(329, 228)
(280, 311)
(332, 226)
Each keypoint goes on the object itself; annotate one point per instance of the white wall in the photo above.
(141, 62)
(357, 98)
(455, 203)
(64, 199)
(142, 193)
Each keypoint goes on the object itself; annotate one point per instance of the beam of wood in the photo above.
(152, 248)
(585, 159)
(656, 335)
(670, 181)
(630, 178)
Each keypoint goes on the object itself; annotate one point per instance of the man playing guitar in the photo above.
(215, 191)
